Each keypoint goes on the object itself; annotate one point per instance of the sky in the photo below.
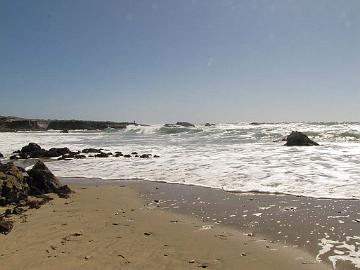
(181, 60)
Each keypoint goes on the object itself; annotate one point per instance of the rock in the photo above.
(91, 150)
(145, 156)
(64, 131)
(156, 156)
(14, 157)
(209, 125)
(299, 139)
(13, 184)
(41, 179)
(127, 156)
(57, 152)
(102, 155)
(1, 155)
(78, 156)
(32, 150)
(185, 124)
(6, 226)
(118, 154)
(134, 153)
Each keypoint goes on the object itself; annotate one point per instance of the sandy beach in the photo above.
(113, 226)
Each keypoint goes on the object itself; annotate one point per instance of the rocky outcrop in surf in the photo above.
(33, 150)
(297, 138)
(185, 124)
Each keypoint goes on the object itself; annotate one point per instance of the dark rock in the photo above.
(1, 155)
(13, 185)
(127, 156)
(134, 153)
(65, 131)
(6, 226)
(14, 157)
(145, 156)
(185, 124)
(209, 125)
(57, 152)
(299, 139)
(156, 156)
(79, 156)
(102, 155)
(32, 150)
(118, 154)
(91, 150)
(41, 179)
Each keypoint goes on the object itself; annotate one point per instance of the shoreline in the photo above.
(110, 226)
(97, 180)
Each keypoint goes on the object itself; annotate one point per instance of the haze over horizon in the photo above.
(167, 61)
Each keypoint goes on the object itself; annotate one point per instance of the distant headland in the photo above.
(12, 123)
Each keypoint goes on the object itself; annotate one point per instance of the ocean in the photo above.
(235, 157)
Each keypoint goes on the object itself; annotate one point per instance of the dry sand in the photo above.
(111, 227)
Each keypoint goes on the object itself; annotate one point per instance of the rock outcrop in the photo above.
(13, 184)
(42, 180)
(297, 138)
(9, 123)
(185, 124)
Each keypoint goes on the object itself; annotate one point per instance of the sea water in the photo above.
(236, 157)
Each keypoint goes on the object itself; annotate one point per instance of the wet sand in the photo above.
(113, 226)
(329, 229)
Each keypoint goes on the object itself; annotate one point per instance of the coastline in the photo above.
(118, 225)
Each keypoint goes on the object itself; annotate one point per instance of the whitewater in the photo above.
(235, 157)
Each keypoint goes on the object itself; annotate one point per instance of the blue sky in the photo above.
(164, 61)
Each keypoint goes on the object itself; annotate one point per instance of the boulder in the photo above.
(32, 150)
(41, 180)
(57, 152)
(299, 139)
(1, 155)
(209, 125)
(6, 226)
(145, 156)
(13, 184)
(102, 155)
(185, 124)
(118, 154)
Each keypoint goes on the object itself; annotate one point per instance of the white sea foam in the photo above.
(237, 157)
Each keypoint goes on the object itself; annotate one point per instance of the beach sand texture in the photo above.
(110, 227)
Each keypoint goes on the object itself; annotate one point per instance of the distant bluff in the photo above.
(9, 123)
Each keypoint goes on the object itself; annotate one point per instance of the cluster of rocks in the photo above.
(98, 153)
(18, 185)
(33, 150)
